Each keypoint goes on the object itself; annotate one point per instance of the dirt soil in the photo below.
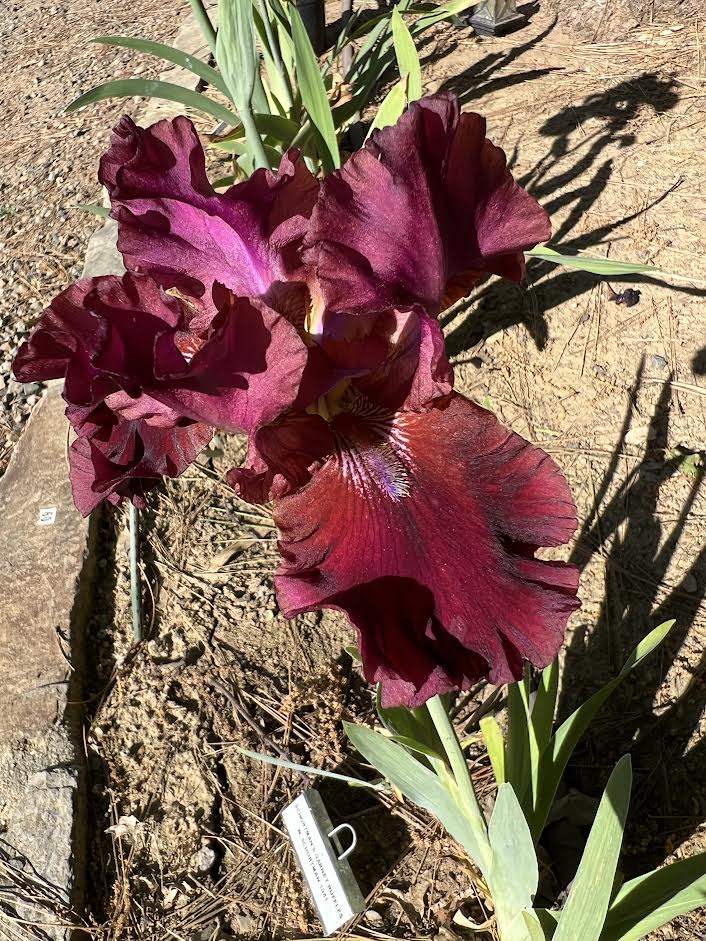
(606, 134)
(599, 21)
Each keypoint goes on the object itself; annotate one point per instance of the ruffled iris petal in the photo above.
(282, 457)
(417, 216)
(423, 527)
(247, 372)
(124, 459)
(174, 225)
(415, 370)
(139, 377)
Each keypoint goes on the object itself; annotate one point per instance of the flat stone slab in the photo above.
(45, 573)
(102, 255)
(46, 570)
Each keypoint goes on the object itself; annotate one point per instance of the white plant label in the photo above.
(329, 877)
(47, 516)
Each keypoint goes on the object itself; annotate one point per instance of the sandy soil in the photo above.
(606, 134)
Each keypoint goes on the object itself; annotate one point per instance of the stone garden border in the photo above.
(47, 566)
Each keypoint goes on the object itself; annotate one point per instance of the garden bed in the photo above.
(606, 136)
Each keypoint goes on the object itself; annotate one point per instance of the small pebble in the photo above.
(204, 860)
(690, 584)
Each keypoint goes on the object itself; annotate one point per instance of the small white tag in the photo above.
(329, 877)
(47, 516)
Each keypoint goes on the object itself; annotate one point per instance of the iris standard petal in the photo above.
(419, 214)
(172, 223)
(415, 370)
(246, 373)
(395, 358)
(422, 526)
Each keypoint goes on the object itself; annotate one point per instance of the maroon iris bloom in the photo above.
(146, 383)
(306, 315)
(187, 341)
(417, 513)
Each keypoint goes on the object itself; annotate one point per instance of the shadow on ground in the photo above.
(483, 76)
(637, 547)
(568, 178)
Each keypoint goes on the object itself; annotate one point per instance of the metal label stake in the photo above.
(322, 860)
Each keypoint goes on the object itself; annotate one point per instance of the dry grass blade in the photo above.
(30, 905)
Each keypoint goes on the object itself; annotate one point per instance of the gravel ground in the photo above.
(49, 159)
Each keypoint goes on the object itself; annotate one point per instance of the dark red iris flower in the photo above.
(146, 383)
(304, 313)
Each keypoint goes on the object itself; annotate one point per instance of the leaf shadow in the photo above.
(625, 528)
(572, 190)
(482, 78)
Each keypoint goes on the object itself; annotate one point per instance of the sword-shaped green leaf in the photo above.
(146, 88)
(556, 757)
(306, 769)
(646, 903)
(413, 724)
(239, 61)
(544, 705)
(392, 106)
(584, 914)
(269, 125)
(604, 266)
(313, 93)
(420, 785)
(407, 57)
(518, 758)
(495, 746)
(277, 77)
(170, 54)
(514, 873)
(236, 52)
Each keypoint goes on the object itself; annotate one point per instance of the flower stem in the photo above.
(347, 54)
(205, 24)
(135, 593)
(473, 837)
(254, 140)
(457, 760)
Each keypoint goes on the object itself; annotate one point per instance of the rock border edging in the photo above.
(47, 567)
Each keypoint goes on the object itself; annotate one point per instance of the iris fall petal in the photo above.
(140, 378)
(124, 459)
(423, 529)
